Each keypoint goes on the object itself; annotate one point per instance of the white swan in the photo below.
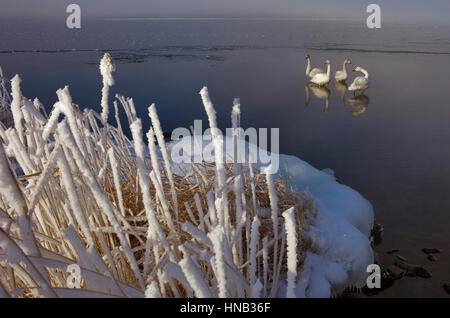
(360, 83)
(322, 78)
(312, 72)
(341, 76)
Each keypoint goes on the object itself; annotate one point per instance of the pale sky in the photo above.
(401, 10)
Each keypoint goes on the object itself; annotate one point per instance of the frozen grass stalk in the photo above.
(217, 238)
(291, 233)
(144, 181)
(162, 144)
(116, 177)
(218, 153)
(106, 69)
(195, 278)
(16, 102)
(253, 246)
(274, 204)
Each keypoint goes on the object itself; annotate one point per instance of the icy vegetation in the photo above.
(75, 190)
(5, 99)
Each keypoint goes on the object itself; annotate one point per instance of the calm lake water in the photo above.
(392, 145)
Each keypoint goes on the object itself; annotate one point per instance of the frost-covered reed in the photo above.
(75, 190)
(5, 99)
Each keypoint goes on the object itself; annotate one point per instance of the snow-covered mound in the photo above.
(341, 232)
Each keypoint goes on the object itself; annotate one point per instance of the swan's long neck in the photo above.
(308, 66)
(344, 68)
(329, 70)
(366, 74)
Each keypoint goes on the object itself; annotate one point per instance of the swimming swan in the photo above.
(360, 83)
(322, 78)
(312, 72)
(341, 76)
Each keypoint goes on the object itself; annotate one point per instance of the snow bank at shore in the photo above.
(340, 233)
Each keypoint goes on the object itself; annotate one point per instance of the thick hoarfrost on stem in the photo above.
(43, 179)
(265, 264)
(68, 109)
(75, 204)
(106, 69)
(116, 115)
(252, 180)
(274, 204)
(253, 249)
(164, 204)
(52, 121)
(195, 232)
(174, 271)
(218, 153)
(237, 172)
(195, 278)
(19, 150)
(10, 190)
(217, 238)
(291, 233)
(144, 181)
(153, 154)
(116, 178)
(235, 114)
(15, 105)
(162, 145)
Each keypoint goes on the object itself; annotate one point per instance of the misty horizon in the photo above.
(401, 11)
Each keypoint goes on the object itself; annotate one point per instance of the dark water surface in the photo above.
(392, 145)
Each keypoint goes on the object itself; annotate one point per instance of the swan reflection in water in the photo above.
(359, 103)
(321, 92)
(341, 87)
